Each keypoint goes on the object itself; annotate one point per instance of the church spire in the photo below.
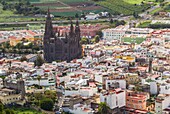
(77, 23)
(71, 27)
(48, 25)
(77, 27)
(48, 13)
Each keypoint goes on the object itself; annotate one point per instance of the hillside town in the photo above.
(129, 77)
(103, 62)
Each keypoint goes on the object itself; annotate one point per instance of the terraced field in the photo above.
(71, 7)
(68, 7)
(122, 7)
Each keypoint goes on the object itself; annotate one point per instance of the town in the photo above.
(98, 63)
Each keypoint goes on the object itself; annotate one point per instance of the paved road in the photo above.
(41, 22)
(60, 98)
(149, 10)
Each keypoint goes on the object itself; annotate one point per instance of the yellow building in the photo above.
(127, 58)
(26, 35)
(14, 41)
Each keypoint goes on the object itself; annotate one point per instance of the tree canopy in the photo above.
(103, 108)
(47, 104)
(39, 61)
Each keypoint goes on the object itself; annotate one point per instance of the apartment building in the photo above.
(114, 33)
(162, 102)
(81, 109)
(113, 98)
(136, 100)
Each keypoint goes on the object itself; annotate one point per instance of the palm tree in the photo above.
(39, 78)
(3, 79)
(103, 108)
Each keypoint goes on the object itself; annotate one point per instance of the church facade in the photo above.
(65, 47)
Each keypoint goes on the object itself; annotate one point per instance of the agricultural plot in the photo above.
(71, 7)
(122, 7)
(133, 1)
(68, 7)
(138, 1)
(74, 1)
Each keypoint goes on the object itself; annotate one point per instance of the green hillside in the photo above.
(68, 8)
(124, 7)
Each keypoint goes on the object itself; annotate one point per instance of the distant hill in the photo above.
(72, 7)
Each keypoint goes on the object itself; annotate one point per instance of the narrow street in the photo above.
(60, 100)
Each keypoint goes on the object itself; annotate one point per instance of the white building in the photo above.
(83, 91)
(162, 102)
(91, 16)
(165, 89)
(139, 32)
(114, 33)
(113, 98)
(166, 35)
(160, 41)
(98, 56)
(116, 83)
(153, 88)
(2, 72)
(104, 14)
(99, 78)
(81, 109)
(43, 81)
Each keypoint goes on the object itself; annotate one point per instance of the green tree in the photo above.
(6, 45)
(135, 15)
(8, 111)
(103, 108)
(23, 58)
(19, 46)
(1, 108)
(39, 61)
(76, 15)
(84, 40)
(3, 79)
(28, 3)
(47, 104)
(99, 33)
(96, 38)
(38, 97)
(50, 94)
(111, 21)
(39, 79)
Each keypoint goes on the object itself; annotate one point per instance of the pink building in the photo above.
(88, 31)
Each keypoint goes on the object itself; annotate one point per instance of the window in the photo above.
(74, 50)
(52, 50)
(71, 50)
(140, 101)
(104, 99)
(65, 50)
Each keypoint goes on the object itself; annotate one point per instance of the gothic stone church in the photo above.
(61, 47)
